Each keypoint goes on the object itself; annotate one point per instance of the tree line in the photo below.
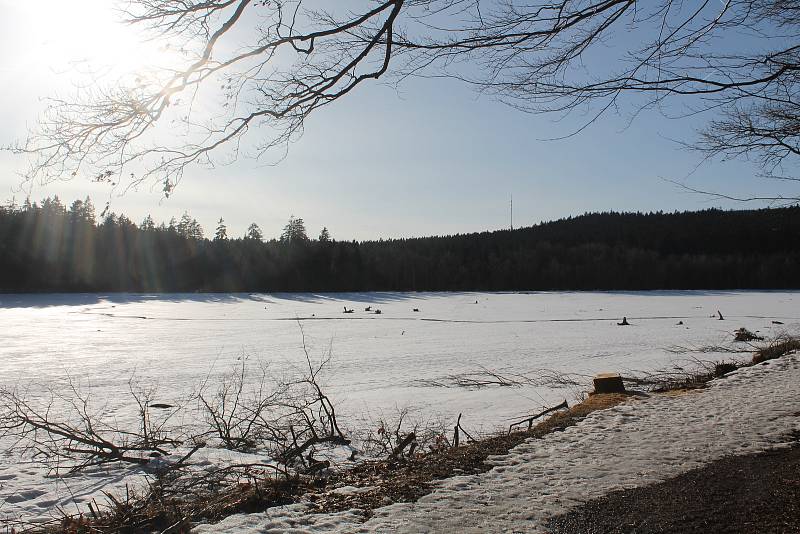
(48, 246)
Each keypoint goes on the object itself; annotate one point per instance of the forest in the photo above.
(50, 247)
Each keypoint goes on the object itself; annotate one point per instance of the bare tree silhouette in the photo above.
(736, 58)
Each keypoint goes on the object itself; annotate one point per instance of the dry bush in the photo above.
(68, 432)
(484, 378)
(696, 372)
(692, 374)
(286, 417)
(709, 349)
(238, 412)
(171, 504)
(780, 346)
(402, 435)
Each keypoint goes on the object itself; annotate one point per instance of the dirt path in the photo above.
(751, 493)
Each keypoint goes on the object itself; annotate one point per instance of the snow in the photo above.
(634, 444)
(175, 341)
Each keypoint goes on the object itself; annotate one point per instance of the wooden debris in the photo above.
(530, 419)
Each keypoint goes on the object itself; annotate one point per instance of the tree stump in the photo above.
(608, 383)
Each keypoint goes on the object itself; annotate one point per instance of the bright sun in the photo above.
(85, 35)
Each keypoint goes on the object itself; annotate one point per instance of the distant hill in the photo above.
(48, 247)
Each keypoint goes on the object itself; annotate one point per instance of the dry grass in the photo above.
(158, 511)
(776, 348)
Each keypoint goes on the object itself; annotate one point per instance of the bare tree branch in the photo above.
(738, 58)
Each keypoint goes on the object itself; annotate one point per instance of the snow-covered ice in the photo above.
(177, 340)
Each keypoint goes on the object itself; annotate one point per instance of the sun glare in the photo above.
(85, 36)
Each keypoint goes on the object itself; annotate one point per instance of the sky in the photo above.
(430, 157)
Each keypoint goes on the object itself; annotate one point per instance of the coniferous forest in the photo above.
(48, 246)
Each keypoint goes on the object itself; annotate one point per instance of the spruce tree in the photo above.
(294, 231)
(221, 234)
(254, 233)
(324, 235)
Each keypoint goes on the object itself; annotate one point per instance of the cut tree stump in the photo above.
(608, 383)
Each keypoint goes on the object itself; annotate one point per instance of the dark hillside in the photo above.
(49, 247)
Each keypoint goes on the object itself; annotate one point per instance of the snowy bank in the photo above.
(643, 441)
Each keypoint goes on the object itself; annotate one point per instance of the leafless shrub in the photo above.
(310, 416)
(238, 413)
(691, 374)
(288, 418)
(171, 503)
(67, 432)
(484, 378)
(402, 435)
(779, 346)
(707, 349)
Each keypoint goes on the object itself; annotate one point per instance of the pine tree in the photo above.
(184, 225)
(125, 222)
(147, 224)
(254, 233)
(222, 231)
(294, 231)
(88, 210)
(324, 235)
(195, 230)
(77, 211)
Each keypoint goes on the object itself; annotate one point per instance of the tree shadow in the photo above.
(362, 297)
(47, 300)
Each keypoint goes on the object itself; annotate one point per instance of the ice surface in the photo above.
(177, 340)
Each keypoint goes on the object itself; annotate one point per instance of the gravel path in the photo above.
(751, 493)
(635, 444)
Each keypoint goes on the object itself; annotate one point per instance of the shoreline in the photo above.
(380, 495)
(566, 469)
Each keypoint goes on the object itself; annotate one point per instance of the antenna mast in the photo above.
(512, 211)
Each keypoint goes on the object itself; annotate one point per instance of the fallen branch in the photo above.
(531, 418)
(80, 438)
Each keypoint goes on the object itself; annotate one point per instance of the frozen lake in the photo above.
(175, 341)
